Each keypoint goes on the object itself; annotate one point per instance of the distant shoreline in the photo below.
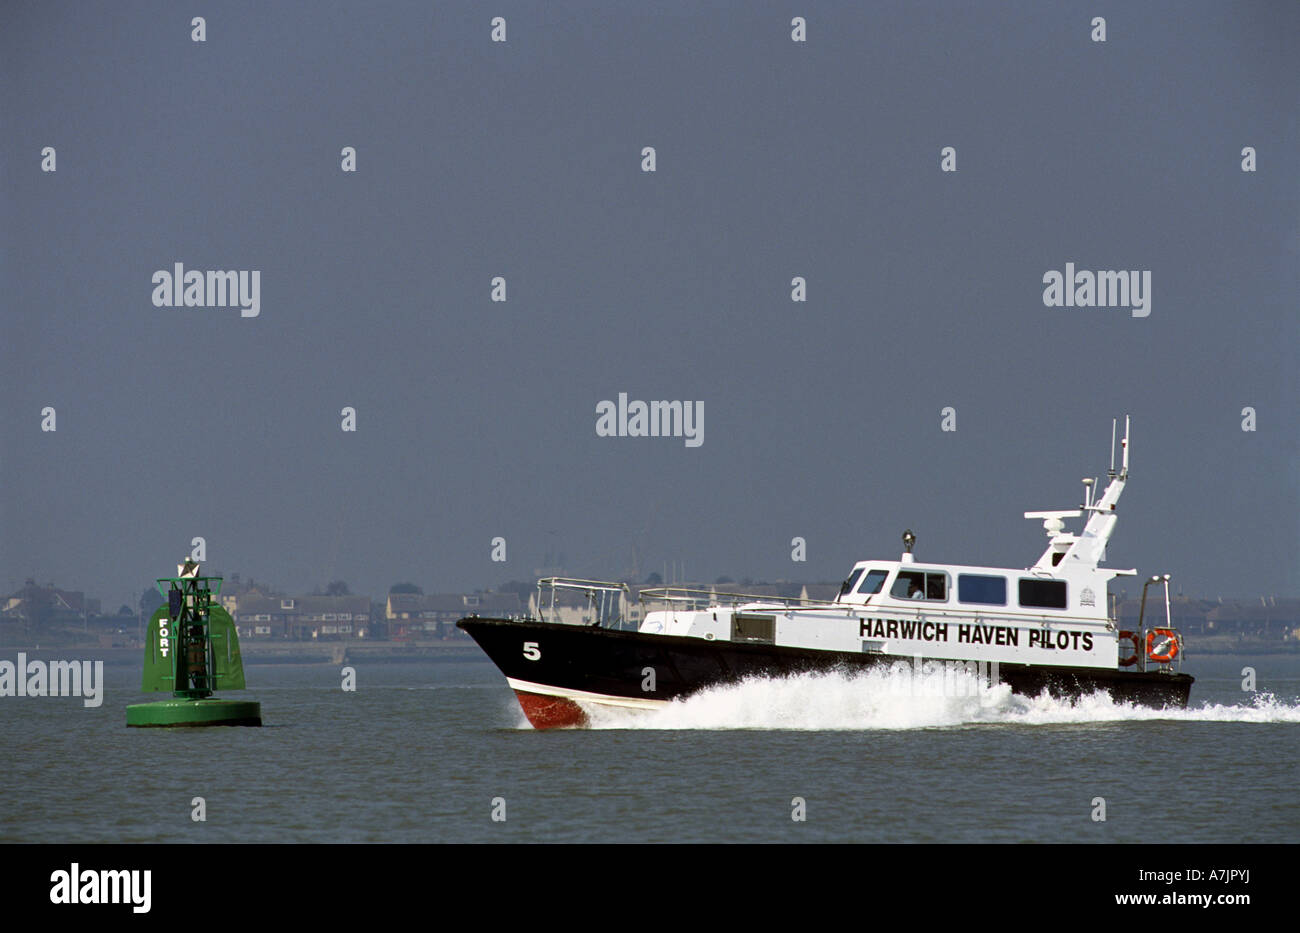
(258, 654)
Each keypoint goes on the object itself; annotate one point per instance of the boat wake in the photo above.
(900, 699)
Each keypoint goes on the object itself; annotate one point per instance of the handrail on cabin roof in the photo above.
(576, 583)
(694, 594)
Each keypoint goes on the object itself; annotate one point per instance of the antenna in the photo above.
(1111, 474)
(1125, 444)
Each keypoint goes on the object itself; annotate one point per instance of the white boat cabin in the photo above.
(1052, 613)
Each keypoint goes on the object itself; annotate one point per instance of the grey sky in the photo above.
(774, 159)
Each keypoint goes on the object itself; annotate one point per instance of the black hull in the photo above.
(612, 663)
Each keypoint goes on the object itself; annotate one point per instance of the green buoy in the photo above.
(192, 649)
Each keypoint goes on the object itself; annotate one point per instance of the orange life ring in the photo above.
(1137, 647)
(1170, 646)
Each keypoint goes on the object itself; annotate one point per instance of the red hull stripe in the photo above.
(550, 712)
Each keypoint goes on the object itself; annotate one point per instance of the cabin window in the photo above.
(975, 588)
(847, 585)
(914, 584)
(872, 582)
(1043, 594)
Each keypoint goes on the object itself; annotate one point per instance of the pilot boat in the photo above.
(1040, 629)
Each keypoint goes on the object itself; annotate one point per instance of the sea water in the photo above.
(439, 752)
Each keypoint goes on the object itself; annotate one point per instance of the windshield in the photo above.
(847, 585)
(873, 582)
